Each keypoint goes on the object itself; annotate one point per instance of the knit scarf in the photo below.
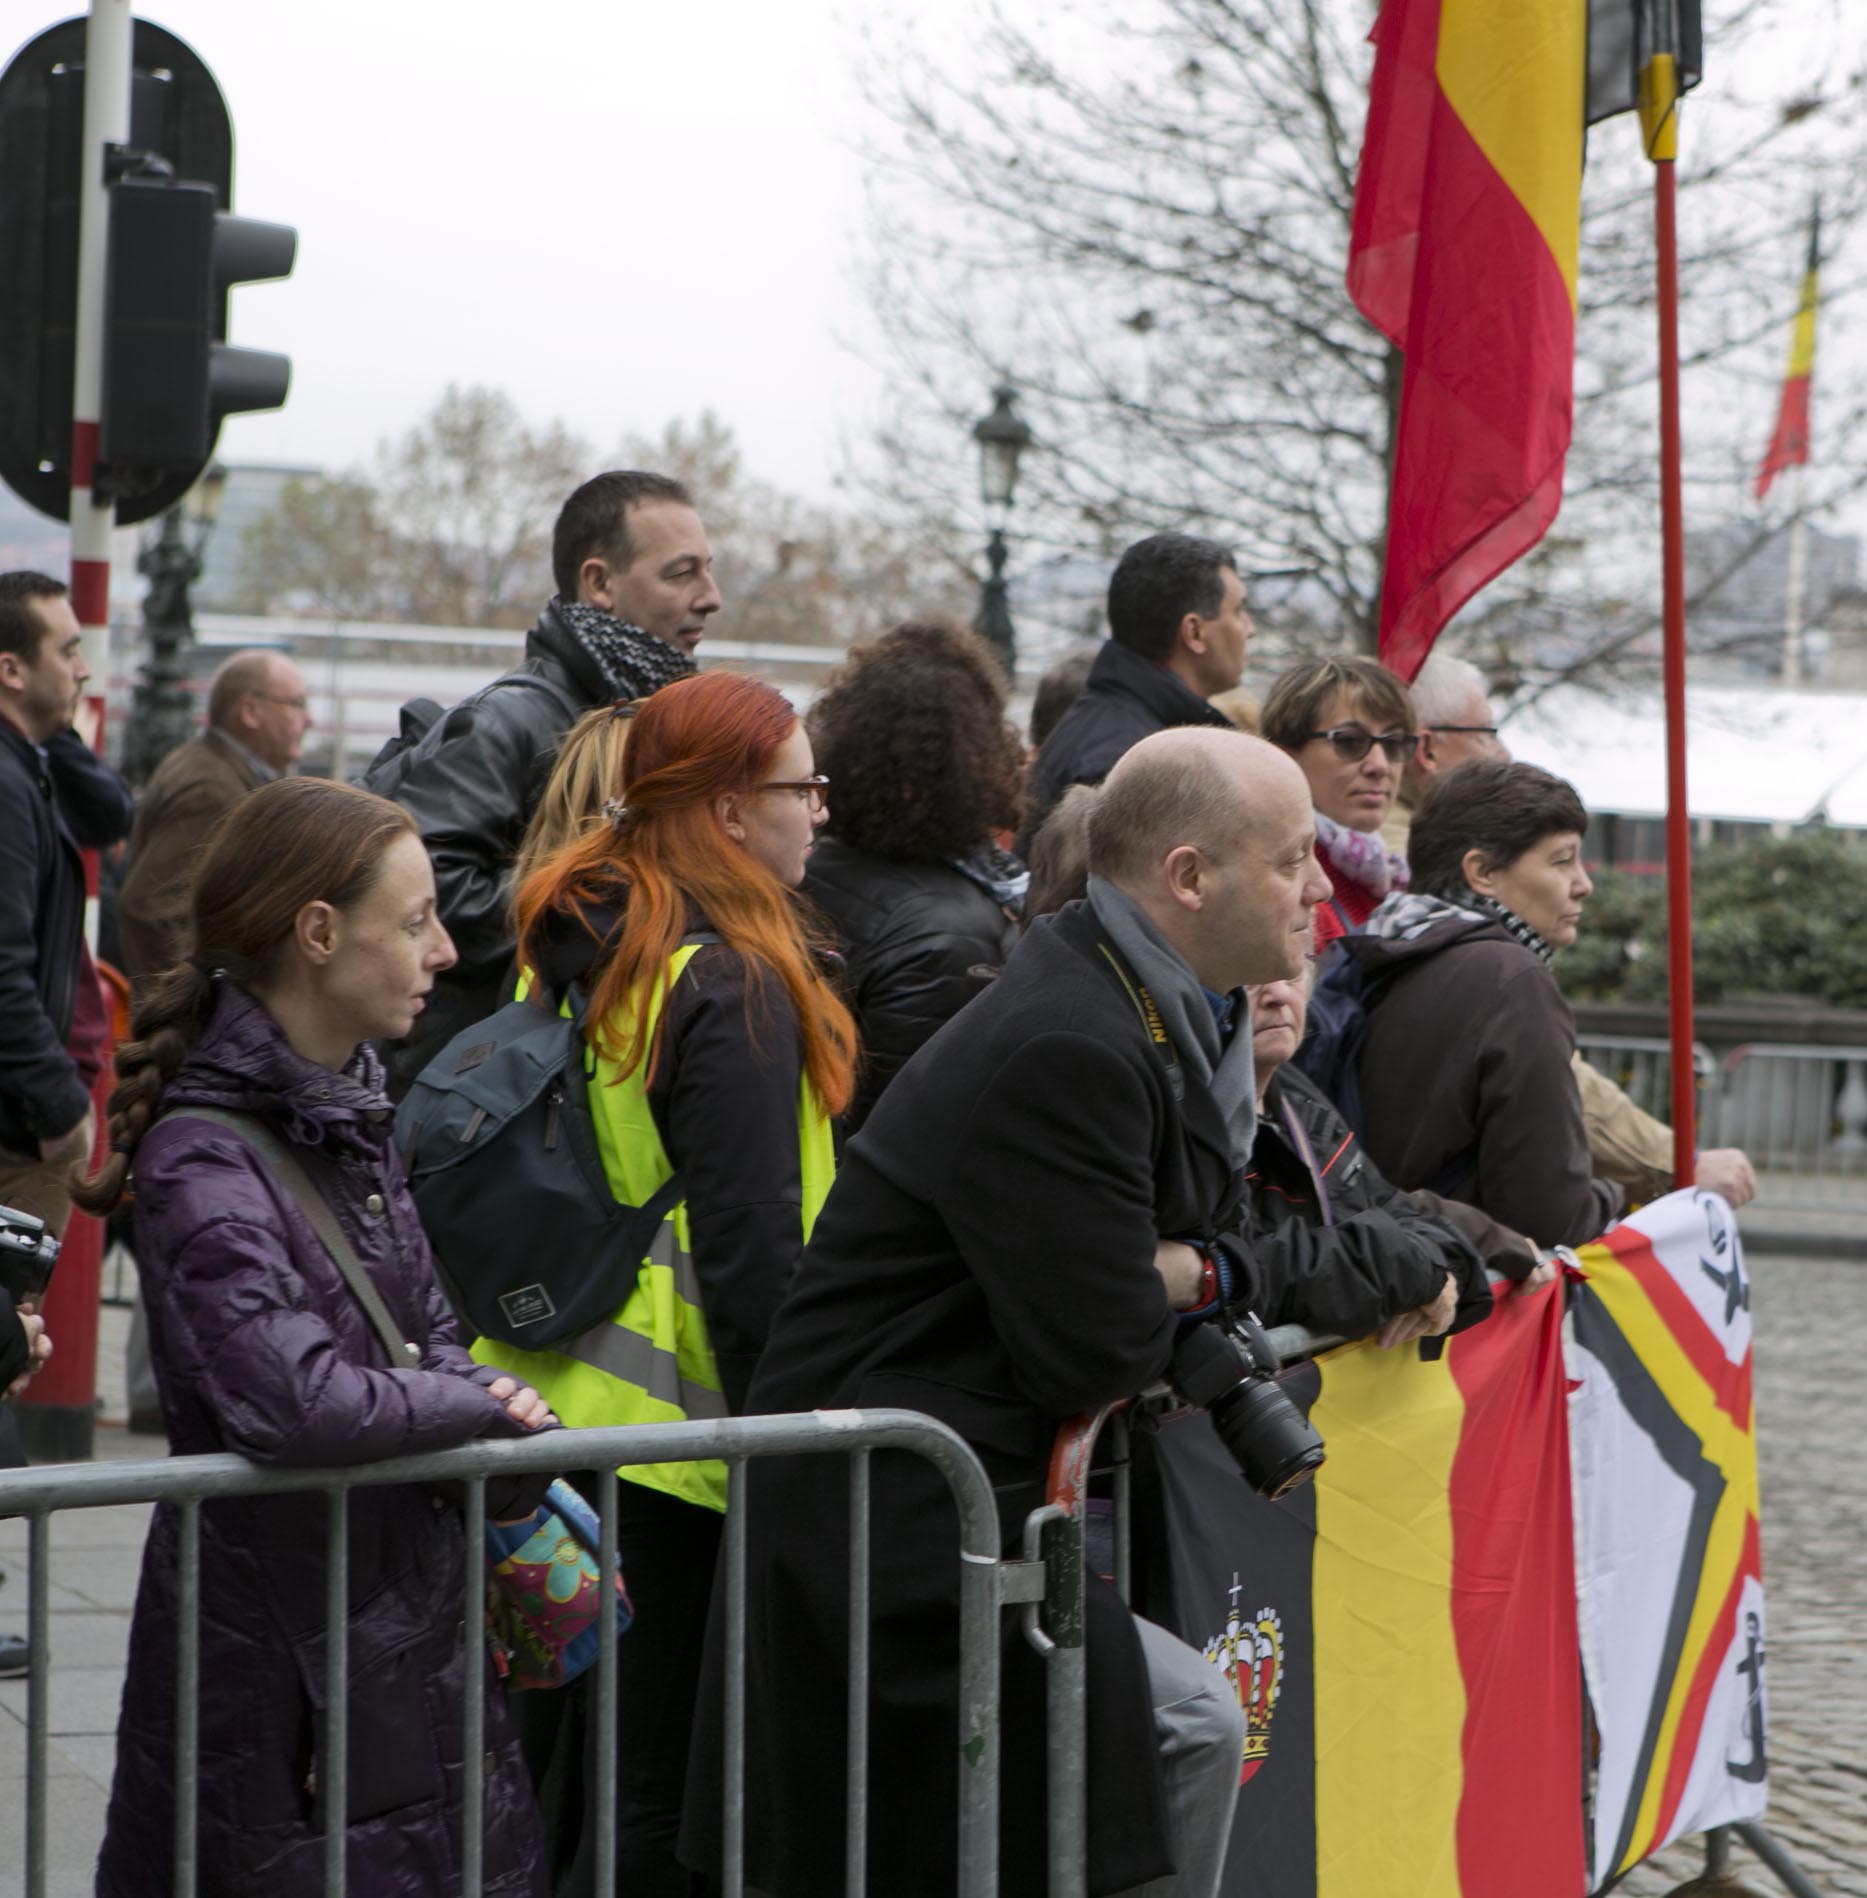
(998, 873)
(633, 663)
(1360, 856)
(1225, 1068)
(1403, 917)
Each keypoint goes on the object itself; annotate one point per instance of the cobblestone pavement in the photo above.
(1811, 1326)
(1811, 1332)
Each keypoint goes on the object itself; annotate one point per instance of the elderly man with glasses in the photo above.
(257, 718)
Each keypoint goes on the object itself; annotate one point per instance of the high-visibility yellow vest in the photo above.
(650, 1361)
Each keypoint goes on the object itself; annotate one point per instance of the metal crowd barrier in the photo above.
(1799, 1110)
(988, 1584)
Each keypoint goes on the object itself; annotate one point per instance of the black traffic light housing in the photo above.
(156, 336)
(170, 376)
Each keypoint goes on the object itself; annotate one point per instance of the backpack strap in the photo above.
(284, 1167)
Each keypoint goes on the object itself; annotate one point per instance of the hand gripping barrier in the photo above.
(988, 1583)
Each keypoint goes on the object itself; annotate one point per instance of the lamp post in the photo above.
(162, 712)
(1002, 437)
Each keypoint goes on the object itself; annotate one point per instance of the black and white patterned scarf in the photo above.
(999, 874)
(1408, 914)
(633, 663)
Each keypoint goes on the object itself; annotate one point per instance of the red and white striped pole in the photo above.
(106, 122)
(57, 1416)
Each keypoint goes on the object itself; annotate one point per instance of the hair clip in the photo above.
(621, 815)
(623, 708)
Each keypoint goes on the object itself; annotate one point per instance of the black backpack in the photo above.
(1330, 1053)
(422, 727)
(497, 1138)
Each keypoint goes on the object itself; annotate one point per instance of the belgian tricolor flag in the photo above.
(1462, 252)
(1789, 446)
(1401, 1634)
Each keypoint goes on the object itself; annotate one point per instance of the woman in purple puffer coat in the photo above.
(315, 932)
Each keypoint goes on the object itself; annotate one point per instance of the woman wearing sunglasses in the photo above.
(717, 1048)
(1350, 725)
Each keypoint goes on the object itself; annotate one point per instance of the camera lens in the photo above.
(1275, 1446)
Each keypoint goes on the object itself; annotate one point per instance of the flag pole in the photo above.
(1795, 590)
(1659, 125)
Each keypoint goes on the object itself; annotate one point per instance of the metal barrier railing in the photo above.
(1800, 1112)
(988, 1584)
(1641, 1066)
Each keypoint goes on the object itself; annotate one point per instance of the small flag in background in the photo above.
(1789, 446)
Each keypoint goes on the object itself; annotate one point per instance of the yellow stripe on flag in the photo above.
(1514, 72)
(1390, 1706)
(1802, 342)
(1727, 1444)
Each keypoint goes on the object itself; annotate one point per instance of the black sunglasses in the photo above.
(1351, 743)
(1488, 731)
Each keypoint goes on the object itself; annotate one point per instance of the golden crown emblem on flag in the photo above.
(1250, 1653)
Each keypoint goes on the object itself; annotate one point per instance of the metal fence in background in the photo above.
(1798, 1110)
(989, 1583)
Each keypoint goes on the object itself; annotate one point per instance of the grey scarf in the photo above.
(1225, 1071)
(633, 663)
(1407, 915)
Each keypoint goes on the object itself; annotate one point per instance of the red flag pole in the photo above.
(1659, 121)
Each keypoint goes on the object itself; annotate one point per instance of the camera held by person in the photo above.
(28, 1253)
(1228, 1368)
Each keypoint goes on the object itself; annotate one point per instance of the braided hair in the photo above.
(292, 842)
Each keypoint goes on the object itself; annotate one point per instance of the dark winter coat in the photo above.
(471, 784)
(1340, 1250)
(260, 1348)
(193, 788)
(1466, 1083)
(920, 940)
(986, 1255)
(52, 801)
(1127, 699)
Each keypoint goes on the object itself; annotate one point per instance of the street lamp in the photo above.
(1002, 437)
(162, 712)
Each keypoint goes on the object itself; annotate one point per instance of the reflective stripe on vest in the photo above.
(650, 1361)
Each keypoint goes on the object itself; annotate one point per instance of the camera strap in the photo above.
(1149, 1010)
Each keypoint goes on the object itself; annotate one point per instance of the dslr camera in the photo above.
(27, 1255)
(1227, 1367)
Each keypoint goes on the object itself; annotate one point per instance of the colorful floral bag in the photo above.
(544, 1592)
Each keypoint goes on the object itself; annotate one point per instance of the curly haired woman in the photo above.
(912, 732)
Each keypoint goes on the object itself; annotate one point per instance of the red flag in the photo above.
(1789, 446)
(1463, 253)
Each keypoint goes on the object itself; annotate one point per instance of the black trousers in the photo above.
(669, 1549)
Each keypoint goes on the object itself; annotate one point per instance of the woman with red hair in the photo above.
(719, 1050)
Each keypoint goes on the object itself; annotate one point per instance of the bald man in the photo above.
(1016, 1236)
(257, 717)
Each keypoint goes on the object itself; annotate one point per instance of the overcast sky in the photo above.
(619, 212)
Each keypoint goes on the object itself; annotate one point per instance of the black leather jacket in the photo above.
(51, 804)
(471, 784)
(1128, 698)
(920, 940)
(1340, 1250)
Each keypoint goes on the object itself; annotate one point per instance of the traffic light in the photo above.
(170, 375)
(174, 252)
